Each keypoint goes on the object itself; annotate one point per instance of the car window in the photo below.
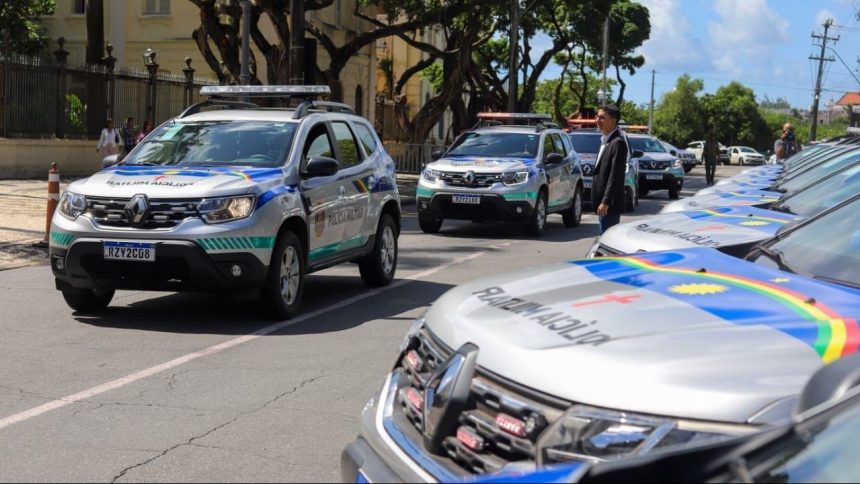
(646, 145)
(748, 150)
(559, 146)
(804, 179)
(548, 146)
(350, 155)
(585, 143)
(825, 194)
(496, 144)
(365, 135)
(318, 143)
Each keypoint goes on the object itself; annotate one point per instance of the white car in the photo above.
(744, 155)
(687, 157)
(698, 146)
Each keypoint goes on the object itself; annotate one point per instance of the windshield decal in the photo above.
(249, 175)
(756, 302)
(728, 216)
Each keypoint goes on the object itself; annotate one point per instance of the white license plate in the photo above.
(587, 183)
(467, 199)
(653, 177)
(133, 251)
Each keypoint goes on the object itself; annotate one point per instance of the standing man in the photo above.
(787, 145)
(129, 136)
(711, 153)
(607, 186)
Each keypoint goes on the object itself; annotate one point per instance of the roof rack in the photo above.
(539, 120)
(306, 106)
(264, 91)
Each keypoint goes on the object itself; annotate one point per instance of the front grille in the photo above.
(587, 169)
(604, 251)
(111, 212)
(482, 180)
(653, 165)
(493, 403)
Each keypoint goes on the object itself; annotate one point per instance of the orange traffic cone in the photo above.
(53, 201)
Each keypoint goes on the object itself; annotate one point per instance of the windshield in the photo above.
(806, 178)
(827, 248)
(521, 145)
(744, 149)
(826, 453)
(646, 145)
(807, 158)
(586, 143)
(245, 143)
(821, 196)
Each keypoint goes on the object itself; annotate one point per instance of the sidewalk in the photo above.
(22, 223)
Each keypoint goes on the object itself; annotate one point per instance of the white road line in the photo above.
(128, 379)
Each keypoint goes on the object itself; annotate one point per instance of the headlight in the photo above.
(593, 250)
(430, 175)
(414, 329)
(587, 433)
(72, 205)
(676, 164)
(217, 210)
(515, 178)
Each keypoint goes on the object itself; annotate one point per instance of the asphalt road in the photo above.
(186, 387)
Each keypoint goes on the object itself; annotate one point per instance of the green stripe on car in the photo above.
(236, 243)
(424, 192)
(62, 238)
(331, 249)
(520, 196)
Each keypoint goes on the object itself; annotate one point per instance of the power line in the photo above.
(813, 131)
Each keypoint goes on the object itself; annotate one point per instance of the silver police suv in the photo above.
(517, 167)
(230, 197)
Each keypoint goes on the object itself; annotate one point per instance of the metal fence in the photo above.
(411, 158)
(42, 97)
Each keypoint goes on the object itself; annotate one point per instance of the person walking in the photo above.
(129, 136)
(607, 185)
(787, 145)
(711, 153)
(144, 132)
(109, 141)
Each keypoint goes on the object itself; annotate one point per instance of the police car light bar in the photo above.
(537, 116)
(265, 91)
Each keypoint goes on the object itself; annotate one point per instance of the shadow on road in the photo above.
(187, 313)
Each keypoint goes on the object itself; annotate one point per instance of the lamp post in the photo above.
(601, 97)
(189, 81)
(152, 67)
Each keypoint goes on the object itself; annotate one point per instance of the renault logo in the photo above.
(446, 396)
(137, 210)
(470, 178)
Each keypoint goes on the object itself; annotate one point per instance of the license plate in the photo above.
(587, 183)
(133, 251)
(467, 199)
(653, 177)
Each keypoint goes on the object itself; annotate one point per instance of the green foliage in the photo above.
(733, 114)
(434, 75)
(679, 117)
(21, 31)
(633, 113)
(567, 102)
(76, 115)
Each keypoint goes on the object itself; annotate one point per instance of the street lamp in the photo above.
(601, 97)
(152, 67)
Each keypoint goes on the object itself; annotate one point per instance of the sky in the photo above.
(764, 44)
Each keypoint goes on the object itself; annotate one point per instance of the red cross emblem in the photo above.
(608, 299)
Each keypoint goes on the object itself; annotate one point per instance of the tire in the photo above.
(644, 192)
(688, 169)
(675, 192)
(87, 299)
(629, 200)
(536, 225)
(378, 268)
(285, 282)
(741, 161)
(573, 216)
(429, 225)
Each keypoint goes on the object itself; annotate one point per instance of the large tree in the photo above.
(21, 32)
(679, 117)
(733, 114)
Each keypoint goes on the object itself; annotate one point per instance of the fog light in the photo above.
(59, 264)
(424, 205)
(236, 270)
(519, 209)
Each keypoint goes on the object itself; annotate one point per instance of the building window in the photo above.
(156, 7)
(359, 100)
(79, 7)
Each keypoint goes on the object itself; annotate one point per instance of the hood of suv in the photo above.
(724, 199)
(175, 182)
(658, 157)
(715, 227)
(482, 164)
(693, 334)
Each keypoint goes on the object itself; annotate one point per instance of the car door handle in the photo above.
(341, 192)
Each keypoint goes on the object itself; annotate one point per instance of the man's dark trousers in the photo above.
(608, 220)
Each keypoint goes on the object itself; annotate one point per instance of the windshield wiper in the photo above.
(782, 208)
(777, 257)
(144, 163)
(855, 285)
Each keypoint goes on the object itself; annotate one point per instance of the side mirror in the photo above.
(109, 161)
(436, 154)
(554, 158)
(830, 382)
(321, 166)
(637, 154)
(673, 152)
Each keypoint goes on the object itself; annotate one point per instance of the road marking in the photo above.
(140, 375)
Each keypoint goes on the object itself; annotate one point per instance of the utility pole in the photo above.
(813, 130)
(512, 60)
(297, 42)
(603, 94)
(651, 106)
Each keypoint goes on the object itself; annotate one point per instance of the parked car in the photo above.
(744, 155)
(604, 359)
(658, 170)
(687, 157)
(587, 145)
(697, 147)
(240, 200)
(516, 170)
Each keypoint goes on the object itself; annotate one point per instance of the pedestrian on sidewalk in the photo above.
(711, 153)
(607, 186)
(109, 141)
(147, 128)
(787, 145)
(129, 136)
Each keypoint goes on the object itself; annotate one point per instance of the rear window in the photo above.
(586, 143)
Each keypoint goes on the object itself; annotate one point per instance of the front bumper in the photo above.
(508, 207)
(659, 180)
(179, 266)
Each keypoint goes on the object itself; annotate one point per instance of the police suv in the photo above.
(658, 170)
(230, 197)
(521, 171)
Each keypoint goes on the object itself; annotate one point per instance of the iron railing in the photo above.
(411, 158)
(42, 97)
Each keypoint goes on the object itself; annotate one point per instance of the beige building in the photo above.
(132, 26)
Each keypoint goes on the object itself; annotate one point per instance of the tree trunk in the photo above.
(620, 83)
(95, 16)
